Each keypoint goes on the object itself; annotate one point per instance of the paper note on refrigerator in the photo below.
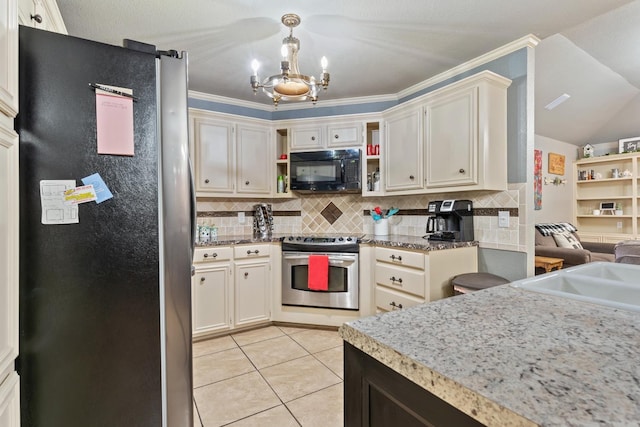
(78, 195)
(114, 121)
(54, 208)
(102, 191)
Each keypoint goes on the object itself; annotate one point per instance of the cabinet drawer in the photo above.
(403, 279)
(251, 251)
(388, 299)
(212, 253)
(347, 135)
(398, 257)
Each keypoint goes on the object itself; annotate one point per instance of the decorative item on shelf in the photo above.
(283, 156)
(626, 173)
(556, 164)
(629, 145)
(615, 173)
(290, 84)
(619, 210)
(376, 180)
(606, 208)
(555, 181)
(587, 151)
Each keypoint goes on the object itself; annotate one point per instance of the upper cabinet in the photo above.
(9, 58)
(466, 135)
(403, 159)
(42, 14)
(326, 133)
(229, 156)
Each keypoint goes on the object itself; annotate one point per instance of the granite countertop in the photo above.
(507, 356)
(393, 241)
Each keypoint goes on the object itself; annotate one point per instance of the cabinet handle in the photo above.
(461, 170)
(246, 183)
(37, 17)
(393, 304)
(202, 279)
(313, 138)
(213, 255)
(206, 181)
(253, 252)
(246, 274)
(393, 257)
(411, 177)
(336, 136)
(393, 279)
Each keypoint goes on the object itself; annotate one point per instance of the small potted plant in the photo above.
(618, 209)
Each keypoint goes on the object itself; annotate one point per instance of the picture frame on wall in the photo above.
(629, 145)
(556, 164)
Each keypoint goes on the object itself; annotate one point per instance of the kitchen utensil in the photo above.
(393, 211)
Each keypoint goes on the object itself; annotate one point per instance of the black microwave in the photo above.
(326, 171)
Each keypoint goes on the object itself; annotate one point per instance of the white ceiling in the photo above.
(590, 48)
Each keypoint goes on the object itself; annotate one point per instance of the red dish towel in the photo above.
(318, 277)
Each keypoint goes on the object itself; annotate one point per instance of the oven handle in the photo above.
(332, 258)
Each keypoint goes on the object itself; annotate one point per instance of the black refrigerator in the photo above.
(105, 302)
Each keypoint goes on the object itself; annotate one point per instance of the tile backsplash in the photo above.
(344, 213)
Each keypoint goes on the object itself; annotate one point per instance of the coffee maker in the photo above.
(450, 220)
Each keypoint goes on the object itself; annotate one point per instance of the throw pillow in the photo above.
(567, 240)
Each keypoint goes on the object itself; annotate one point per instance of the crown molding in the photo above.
(527, 41)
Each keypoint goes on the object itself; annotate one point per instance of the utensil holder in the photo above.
(381, 227)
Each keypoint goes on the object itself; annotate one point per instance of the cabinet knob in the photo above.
(411, 177)
(313, 138)
(393, 279)
(393, 257)
(37, 17)
(336, 136)
(202, 279)
(206, 181)
(461, 170)
(253, 252)
(246, 274)
(246, 183)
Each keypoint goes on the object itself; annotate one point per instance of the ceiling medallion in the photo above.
(290, 84)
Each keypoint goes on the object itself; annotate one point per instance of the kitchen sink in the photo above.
(609, 284)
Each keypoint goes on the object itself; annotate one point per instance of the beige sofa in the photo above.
(592, 251)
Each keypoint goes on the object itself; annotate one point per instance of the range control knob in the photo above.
(290, 237)
(349, 239)
(340, 239)
(299, 238)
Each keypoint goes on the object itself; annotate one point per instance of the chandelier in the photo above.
(290, 84)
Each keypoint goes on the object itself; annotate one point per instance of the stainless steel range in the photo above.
(343, 287)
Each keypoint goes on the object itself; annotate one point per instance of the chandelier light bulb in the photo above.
(254, 66)
(284, 51)
(324, 64)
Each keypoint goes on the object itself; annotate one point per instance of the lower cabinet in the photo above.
(406, 278)
(376, 395)
(231, 288)
(10, 400)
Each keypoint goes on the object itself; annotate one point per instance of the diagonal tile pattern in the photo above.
(272, 376)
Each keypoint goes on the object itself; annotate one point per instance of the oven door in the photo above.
(343, 281)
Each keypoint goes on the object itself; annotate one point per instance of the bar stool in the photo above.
(470, 282)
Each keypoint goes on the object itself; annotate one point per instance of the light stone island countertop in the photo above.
(507, 356)
(393, 241)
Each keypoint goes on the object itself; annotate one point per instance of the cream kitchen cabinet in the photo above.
(211, 290)
(403, 150)
(231, 288)
(42, 14)
(252, 284)
(466, 135)
(405, 278)
(325, 134)
(8, 62)
(229, 156)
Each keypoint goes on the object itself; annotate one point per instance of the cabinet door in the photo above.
(403, 151)
(254, 165)
(9, 263)
(214, 156)
(252, 289)
(10, 401)
(210, 299)
(9, 58)
(42, 14)
(349, 135)
(451, 134)
(306, 138)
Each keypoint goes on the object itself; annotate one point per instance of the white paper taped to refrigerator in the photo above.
(54, 208)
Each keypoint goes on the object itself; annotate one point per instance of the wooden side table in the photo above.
(549, 263)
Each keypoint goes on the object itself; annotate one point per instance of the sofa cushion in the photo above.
(567, 240)
(544, 240)
(597, 256)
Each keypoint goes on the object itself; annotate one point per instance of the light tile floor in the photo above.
(273, 376)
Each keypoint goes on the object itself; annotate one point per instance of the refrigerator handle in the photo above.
(192, 191)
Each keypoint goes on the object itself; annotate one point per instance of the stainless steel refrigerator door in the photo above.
(176, 223)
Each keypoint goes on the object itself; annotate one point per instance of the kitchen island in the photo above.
(502, 356)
